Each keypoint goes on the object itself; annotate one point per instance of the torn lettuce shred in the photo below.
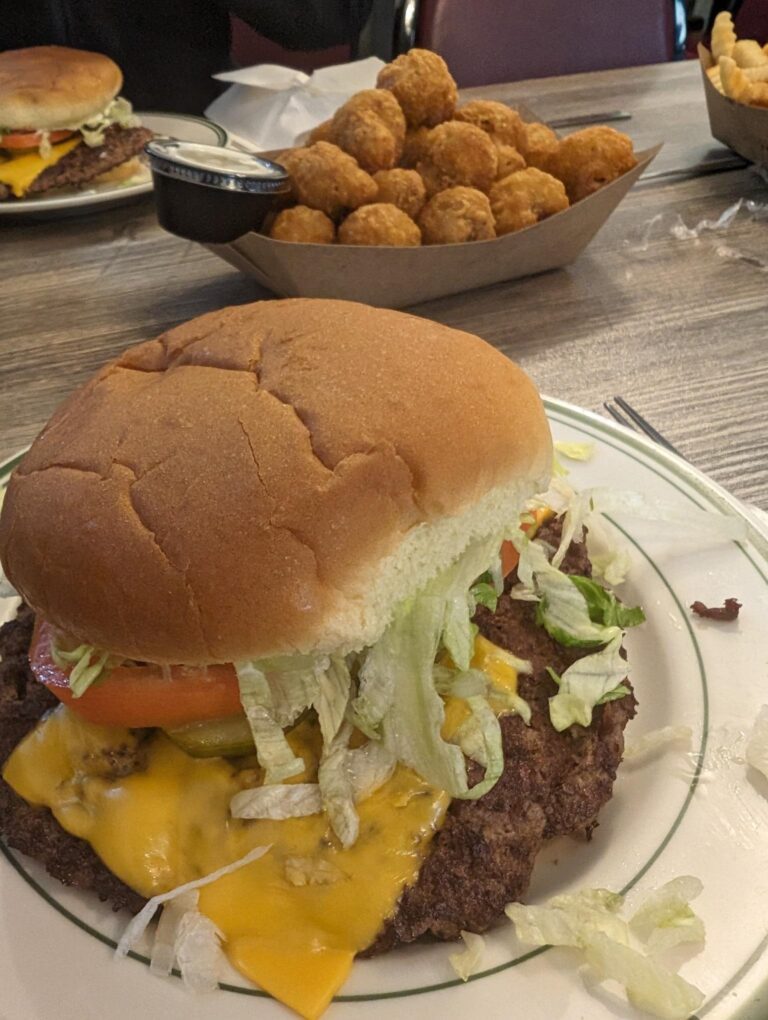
(119, 111)
(468, 961)
(88, 665)
(345, 777)
(188, 939)
(136, 927)
(625, 952)
(574, 451)
(658, 740)
(594, 680)
(576, 612)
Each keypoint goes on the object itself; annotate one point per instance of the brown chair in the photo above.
(486, 41)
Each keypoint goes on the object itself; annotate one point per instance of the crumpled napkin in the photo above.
(272, 107)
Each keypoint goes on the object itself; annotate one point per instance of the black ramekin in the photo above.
(212, 194)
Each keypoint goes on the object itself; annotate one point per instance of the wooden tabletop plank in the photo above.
(676, 326)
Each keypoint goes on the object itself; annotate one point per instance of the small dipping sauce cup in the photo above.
(212, 194)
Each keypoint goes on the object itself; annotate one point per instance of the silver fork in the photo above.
(632, 419)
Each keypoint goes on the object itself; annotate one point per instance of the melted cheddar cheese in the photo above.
(292, 920)
(19, 172)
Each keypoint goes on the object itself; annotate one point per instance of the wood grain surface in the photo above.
(678, 327)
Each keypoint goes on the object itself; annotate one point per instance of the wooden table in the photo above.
(676, 326)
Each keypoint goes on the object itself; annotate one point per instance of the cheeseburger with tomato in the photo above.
(63, 122)
(262, 562)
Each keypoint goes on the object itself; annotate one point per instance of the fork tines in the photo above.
(632, 419)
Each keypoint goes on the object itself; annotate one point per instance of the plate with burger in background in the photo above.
(69, 142)
(315, 676)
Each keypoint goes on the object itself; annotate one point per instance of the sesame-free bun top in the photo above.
(269, 478)
(49, 87)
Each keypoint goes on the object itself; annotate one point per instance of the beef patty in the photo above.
(482, 857)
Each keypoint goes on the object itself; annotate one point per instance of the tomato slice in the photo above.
(138, 696)
(31, 139)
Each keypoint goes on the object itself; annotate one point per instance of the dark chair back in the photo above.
(751, 20)
(249, 47)
(486, 41)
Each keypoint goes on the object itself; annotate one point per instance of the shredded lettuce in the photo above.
(608, 552)
(119, 111)
(345, 777)
(454, 587)
(393, 693)
(277, 801)
(138, 925)
(564, 610)
(590, 681)
(658, 740)
(613, 949)
(188, 939)
(337, 790)
(666, 919)
(575, 451)
(164, 944)
(479, 737)
(272, 749)
(757, 744)
(469, 960)
(334, 688)
(648, 984)
(413, 723)
(198, 952)
(484, 593)
(87, 665)
(604, 607)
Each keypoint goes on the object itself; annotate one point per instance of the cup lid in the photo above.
(216, 167)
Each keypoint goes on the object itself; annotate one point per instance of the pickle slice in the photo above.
(215, 738)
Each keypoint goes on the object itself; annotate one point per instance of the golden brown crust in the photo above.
(371, 127)
(49, 87)
(591, 158)
(415, 145)
(403, 188)
(213, 494)
(302, 224)
(326, 178)
(456, 215)
(423, 85)
(539, 146)
(525, 197)
(455, 154)
(501, 122)
(510, 161)
(379, 223)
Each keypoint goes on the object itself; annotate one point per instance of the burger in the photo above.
(63, 122)
(270, 565)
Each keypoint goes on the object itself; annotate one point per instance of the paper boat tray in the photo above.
(742, 128)
(395, 277)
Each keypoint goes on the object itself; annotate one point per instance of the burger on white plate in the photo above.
(262, 560)
(63, 122)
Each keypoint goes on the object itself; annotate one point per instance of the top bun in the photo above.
(48, 87)
(267, 479)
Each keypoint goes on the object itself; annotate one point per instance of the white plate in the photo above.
(698, 812)
(70, 201)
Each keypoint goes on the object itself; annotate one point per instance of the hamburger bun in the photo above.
(269, 479)
(44, 88)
